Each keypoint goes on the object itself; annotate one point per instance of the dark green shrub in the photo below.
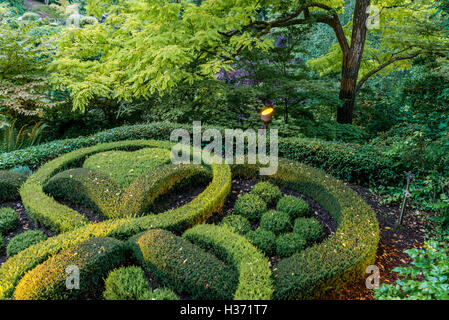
(94, 258)
(255, 281)
(1, 241)
(126, 283)
(310, 229)
(289, 243)
(24, 240)
(184, 267)
(237, 223)
(276, 221)
(10, 183)
(268, 192)
(250, 206)
(9, 220)
(263, 240)
(294, 206)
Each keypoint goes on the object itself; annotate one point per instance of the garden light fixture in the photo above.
(266, 116)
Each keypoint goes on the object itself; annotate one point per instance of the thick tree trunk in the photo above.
(351, 63)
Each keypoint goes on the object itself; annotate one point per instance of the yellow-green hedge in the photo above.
(255, 281)
(60, 218)
(338, 260)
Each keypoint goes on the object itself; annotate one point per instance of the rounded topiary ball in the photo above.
(268, 192)
(289, 244)
(238, 224)
(160, 294)
(310, 229)
(263, 240)
(126, 283)
(24, 240)
(250, 206)
(275, 221)
(295, 207)
(9, 220)
(10, 183)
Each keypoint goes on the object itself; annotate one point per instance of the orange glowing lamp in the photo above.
(266, 116)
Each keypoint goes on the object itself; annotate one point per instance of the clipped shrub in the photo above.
(310, 229)
(255, 281)
(238, 224)
(264, 240)
(87, 20)
(275, 221)
(126, 283)
(24, 240)
(94, 258)
(184, 267)
(289, 243)
(337, 261)
(268, 192)
(125, 166)
(9, 220)
(10, 183)
(160, 294)
(30, 17)
(250, 206)
(294, 206)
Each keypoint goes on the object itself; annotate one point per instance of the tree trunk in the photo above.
(351, 62)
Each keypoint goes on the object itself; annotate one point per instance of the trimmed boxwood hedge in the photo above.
(289, 243)
(338, 260)
(237, 223)
(361, 165)
(24, 240)
(264, 240)
(269, 192)
(184, 267)
(9, 220)
(126, 283)
(310, 229)
(94, 258)
(255, 281)
(58, 217)
(276, 221)
(294, 206)
(10, 183)
(250, 206)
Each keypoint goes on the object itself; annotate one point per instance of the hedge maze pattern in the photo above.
(187, 256)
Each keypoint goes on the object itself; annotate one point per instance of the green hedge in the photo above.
(255, 281)
(9, 220)
(340, 259)
(58, 217)
(197, 211)
(361, 165)
(126, 283)
(10, 183)
(184, 267)
(24, 240)
(94, 258)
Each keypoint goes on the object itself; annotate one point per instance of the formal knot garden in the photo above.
(136, 226)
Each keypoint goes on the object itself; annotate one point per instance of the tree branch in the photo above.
(384, 65)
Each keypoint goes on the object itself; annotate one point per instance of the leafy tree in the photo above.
(144, 47)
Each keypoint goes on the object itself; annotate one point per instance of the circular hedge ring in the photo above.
(46, 210)
(340, 259)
